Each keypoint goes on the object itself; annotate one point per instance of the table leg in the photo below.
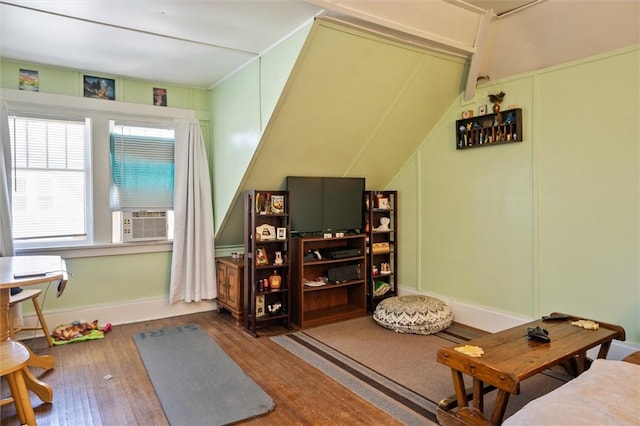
(501, 406)
(580, 363)
(604, 350)
(4, 314)
(458, 385)
(478, 394)
(46, 362)
(43, 390)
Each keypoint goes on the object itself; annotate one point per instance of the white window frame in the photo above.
(99, 112)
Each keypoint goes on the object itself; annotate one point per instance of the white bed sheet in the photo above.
(606, 394)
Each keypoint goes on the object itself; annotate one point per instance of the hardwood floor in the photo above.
(85, 395)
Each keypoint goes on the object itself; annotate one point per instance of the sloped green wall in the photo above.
(549, 224)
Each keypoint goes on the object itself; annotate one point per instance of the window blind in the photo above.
(50, 175)
(142, 167)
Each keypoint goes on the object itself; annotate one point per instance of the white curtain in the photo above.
(192, 267)
(6, 237)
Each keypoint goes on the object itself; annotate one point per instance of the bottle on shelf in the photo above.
(274, 280)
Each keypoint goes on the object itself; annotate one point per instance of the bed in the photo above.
(606, 394)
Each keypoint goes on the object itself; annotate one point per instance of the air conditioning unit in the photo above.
(144, 225)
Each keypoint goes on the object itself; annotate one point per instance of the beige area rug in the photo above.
(397, 372)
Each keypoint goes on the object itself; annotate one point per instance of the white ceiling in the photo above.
(193, 43)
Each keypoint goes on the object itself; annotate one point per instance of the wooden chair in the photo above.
(13, 360)
(21, 297)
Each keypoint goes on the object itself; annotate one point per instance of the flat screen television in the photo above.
(325, 204)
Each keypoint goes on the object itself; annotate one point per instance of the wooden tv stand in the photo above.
(315, 305)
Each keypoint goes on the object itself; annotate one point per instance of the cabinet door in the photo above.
(222, 282)
(234, 281)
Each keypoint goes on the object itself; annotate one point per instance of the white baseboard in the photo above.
(492, 321)
(136, 311)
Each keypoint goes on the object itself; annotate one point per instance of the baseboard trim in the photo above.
(492, 321)
(121, 313)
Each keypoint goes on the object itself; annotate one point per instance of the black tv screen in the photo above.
(325, 204)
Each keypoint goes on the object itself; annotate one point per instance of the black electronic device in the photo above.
(555, 317)
(343, 253)
(320, 205)
(341, 274)
(538, 333)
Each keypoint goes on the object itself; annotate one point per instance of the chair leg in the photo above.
(21, 398)
(43, 323)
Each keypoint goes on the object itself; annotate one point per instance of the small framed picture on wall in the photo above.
(99, 87)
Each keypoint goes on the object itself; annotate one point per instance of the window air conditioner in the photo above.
(144, 225)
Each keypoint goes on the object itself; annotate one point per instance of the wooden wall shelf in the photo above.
(490, 129)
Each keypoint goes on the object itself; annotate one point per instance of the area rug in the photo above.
(396, 372)
(196, 381)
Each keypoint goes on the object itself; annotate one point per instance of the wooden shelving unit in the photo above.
(318, 292)
(381, 230)
(266, 241)
(490, 129)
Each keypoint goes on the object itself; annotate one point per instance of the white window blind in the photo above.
(50, 175)
(142, 167)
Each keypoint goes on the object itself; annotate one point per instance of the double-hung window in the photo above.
(50, 179)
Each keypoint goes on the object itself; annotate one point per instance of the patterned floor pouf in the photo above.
(413, 314)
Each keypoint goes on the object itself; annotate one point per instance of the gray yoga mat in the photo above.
(196, 381)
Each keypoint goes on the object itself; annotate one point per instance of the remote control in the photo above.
(555, 317)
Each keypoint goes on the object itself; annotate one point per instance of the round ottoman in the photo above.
(413, 314)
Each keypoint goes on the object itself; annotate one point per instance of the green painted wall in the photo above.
(109, 280)
(69, 82)
(549, 224)
(241, 106)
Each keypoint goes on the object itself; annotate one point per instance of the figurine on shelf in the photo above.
(384, 225)
(278, 260)
(496, 100)
(275, 309)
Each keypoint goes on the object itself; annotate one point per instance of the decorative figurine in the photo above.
(497, 100)
(384, 225)
(278, 259)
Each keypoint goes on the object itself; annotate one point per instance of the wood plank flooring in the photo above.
(84, 397)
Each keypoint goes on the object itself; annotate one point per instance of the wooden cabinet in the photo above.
(266, 274)
(230, 280)
(490, 129)
(381, 230)
(328, 279)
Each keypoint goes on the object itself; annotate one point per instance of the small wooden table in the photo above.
(46, 269)
(510, 357)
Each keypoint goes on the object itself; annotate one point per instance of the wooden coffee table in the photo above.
(509, 358)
